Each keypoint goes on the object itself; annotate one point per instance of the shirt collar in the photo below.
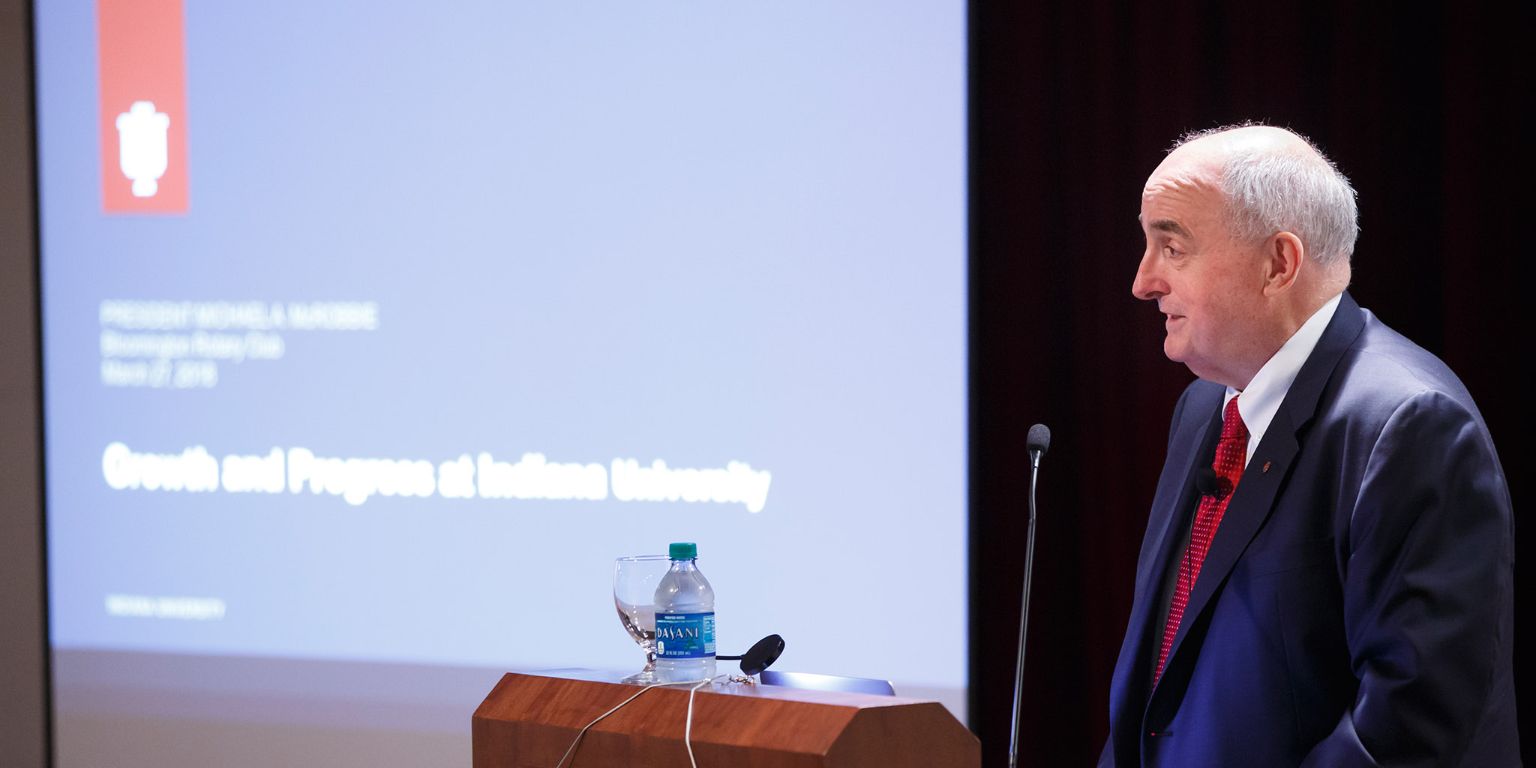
(1261, 400)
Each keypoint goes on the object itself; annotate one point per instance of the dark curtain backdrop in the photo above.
(1072, 105)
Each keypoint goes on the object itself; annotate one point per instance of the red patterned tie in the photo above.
(1230, 454)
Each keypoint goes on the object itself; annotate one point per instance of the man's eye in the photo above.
(1170, 252)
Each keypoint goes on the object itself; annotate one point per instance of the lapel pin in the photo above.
(1266, 466)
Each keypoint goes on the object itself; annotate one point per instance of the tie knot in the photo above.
(1232, 426)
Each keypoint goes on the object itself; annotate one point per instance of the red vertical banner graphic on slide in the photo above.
(143, 106)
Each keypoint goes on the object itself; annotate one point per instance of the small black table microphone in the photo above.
(760, 656)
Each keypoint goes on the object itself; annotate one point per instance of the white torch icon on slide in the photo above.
(143, 146)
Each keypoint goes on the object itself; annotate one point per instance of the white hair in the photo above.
(1269, 191)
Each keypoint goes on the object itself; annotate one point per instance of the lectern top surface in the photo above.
(836, 698)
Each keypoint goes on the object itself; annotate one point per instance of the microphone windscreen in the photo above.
(762, 654)
(1039, 438)
(1207, 483)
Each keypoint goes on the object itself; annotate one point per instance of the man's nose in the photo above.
(1148, 284)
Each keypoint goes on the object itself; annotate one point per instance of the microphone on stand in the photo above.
(1038, 442)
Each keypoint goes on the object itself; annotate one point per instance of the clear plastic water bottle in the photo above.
(685, 619)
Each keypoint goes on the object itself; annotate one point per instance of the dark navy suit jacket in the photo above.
(1355, 608)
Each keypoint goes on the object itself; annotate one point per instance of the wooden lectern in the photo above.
(528, 721)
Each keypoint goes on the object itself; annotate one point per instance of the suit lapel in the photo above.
(1171, 511)
(1255, 495)
(1195, 432)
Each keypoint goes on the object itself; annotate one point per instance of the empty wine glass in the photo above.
(634, 595)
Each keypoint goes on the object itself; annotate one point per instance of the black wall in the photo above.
(1072, 106)
(23, 675)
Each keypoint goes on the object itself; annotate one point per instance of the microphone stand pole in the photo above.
(1029, 569)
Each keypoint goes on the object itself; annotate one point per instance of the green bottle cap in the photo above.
(683, 550)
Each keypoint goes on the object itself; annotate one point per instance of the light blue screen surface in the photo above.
(728, 238)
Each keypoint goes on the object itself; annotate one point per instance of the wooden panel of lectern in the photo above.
(529, 721)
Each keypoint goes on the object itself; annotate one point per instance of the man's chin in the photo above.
(1174, 349)
(1178, 353)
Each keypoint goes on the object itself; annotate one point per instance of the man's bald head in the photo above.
(1274, 180)
(1249, 231)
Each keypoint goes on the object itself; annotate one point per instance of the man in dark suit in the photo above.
(1327, 573)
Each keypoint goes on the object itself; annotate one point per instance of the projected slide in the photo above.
(375, 331)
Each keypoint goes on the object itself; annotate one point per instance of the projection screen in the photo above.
(373, 332)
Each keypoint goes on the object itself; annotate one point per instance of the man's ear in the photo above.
(1283, 256)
